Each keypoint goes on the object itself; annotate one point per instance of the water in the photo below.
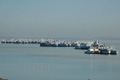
(31, 62)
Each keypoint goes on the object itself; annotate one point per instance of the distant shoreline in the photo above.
(1, 38)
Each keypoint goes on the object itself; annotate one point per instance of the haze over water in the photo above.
(60, 18)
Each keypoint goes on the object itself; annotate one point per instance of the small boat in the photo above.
(114, 52)
(105, 51)
(45, 44)
(90, 51)
(3, 41)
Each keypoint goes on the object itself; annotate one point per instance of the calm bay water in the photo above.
(32, 62)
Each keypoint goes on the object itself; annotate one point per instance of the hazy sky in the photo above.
(60, 18)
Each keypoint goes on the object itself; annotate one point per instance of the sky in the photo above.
(60, 18)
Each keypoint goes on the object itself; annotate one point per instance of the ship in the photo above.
(83, 46)
(105, 51)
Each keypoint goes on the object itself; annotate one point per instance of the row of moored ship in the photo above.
(90, 47)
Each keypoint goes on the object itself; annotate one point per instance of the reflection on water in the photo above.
(30, 62)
